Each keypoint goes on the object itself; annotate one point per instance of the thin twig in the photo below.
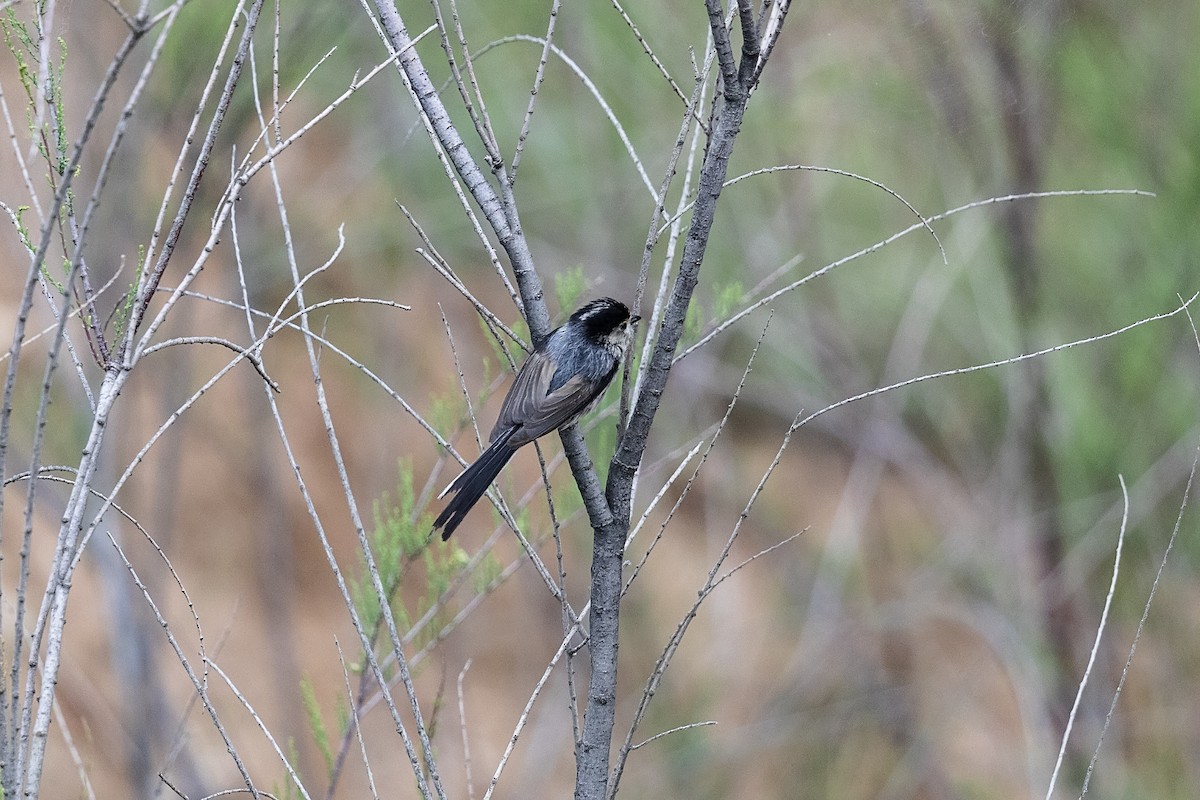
(254, 360)
(153, 272)
(771, 27)
(198, 683)
(1112, 708)
(593, 90)
(430, 762)
(1112, 590)
(538, 77)
(846, 174)
(661, 493)
(482, 129)
(524, 718)
(764, 552)
(262, 726)
(462, 379)
(714, 579)
(466, 739)
(1009, 198)
(499, 209)
(637, 34)
(1187, 487)
(488, 133)
(356, 724)
(440, 265)
(652, 237)
(677, 729)
(1000, 363)
(737, 392)
(80, 768)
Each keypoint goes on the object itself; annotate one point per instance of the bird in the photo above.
(563, 378)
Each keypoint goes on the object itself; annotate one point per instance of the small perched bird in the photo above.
(560, 382)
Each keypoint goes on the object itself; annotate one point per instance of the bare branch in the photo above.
(637, 34)
(153, 274)
(593, 90)
(704, 458)
(713, 580)
(748, 65)
(1001, 363)
(435, 260)
(923, 225)
(524, 718)
(1187, 488)
(652, 236)
(466, 739)
(501, 215)
(1112, 708)
(429, 760)
(1087, 672)
(844, 173)
(266, 732)
(254, 360)
(724, 50)
(775, 13)
(483, 127)
(689, 726)
(538, 77)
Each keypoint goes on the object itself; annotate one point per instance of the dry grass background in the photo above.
(902, 647)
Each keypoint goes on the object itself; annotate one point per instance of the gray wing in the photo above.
(533, 409)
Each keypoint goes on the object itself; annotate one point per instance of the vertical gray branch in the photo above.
(608, 510)
(737, 81)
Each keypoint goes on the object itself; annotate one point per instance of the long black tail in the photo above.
(473, 482)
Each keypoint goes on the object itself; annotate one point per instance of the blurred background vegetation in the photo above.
(925, 636)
